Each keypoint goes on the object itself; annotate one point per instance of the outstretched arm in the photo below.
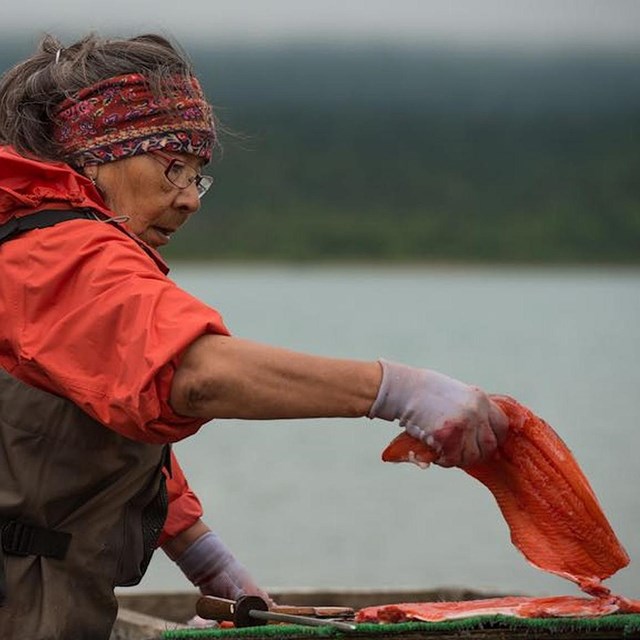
(224, 377)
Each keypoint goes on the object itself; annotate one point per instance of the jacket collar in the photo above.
(28, 185)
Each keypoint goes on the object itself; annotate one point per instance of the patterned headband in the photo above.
(120, 117)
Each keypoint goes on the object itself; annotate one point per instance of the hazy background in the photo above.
(533, 23)
(402, 131)
(503, 133)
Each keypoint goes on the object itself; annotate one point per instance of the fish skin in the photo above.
(552, 512)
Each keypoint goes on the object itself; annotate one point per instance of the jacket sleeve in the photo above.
(184, 507)
(100, 324)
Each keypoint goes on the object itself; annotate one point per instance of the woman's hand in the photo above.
(209, 564)
(457, 420)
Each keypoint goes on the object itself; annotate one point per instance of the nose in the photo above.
(187, 200)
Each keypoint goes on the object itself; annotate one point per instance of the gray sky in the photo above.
(534, 23)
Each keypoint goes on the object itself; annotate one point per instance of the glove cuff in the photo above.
(393, 393)
(204, 557)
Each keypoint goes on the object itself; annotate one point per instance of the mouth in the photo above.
(162, 234)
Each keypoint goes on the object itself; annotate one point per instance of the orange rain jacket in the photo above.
(89, 315)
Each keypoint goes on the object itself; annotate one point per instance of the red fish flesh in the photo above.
(519, 607)
(553, 516)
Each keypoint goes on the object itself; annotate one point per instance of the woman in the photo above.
(104, 361)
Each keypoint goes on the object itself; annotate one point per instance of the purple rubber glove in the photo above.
(457, 420)
(209, 565)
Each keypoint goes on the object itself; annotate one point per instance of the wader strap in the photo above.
(20, 539)
(40, 220)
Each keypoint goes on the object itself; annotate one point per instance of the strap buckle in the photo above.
(22, 539)
(17, 538)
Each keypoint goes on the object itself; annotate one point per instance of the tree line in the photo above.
(382, 153)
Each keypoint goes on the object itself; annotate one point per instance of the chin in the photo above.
(150, 241)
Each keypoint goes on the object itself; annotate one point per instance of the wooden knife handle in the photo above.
(211, 608)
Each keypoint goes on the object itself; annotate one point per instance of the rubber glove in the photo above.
(209, 565)
(458, 421)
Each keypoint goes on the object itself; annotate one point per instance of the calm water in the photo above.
(308, 503)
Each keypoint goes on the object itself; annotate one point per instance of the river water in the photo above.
(310, 504)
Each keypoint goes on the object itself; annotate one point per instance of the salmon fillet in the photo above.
(519, 607)
(552, 513)
(553, 516)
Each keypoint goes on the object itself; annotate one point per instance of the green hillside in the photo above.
(397, 154)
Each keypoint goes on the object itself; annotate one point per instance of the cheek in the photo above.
(157, 192)
(140, 191)
(148, 205)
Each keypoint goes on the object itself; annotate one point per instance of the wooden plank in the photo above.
(174, 606)
(133, 625)
(181, 606)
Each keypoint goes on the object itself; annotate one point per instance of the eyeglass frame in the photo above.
(197, 178)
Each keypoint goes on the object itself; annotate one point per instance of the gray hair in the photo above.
(31, 91)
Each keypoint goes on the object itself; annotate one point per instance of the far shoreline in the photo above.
(399, 265)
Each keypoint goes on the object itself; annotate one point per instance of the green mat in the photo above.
(498, 626)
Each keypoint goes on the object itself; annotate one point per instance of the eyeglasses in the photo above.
(181, 175)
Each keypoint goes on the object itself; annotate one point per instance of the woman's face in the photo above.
(138, 188)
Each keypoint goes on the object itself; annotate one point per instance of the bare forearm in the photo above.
(223, 377)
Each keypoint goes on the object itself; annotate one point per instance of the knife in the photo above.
(250, 611)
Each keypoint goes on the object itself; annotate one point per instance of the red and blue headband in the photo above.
(121, 117)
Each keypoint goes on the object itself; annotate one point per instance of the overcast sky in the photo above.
(529, 22)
